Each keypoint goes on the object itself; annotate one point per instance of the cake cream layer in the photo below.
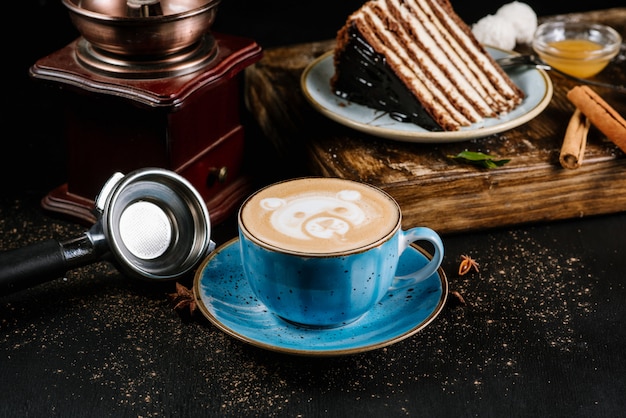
(433, 56)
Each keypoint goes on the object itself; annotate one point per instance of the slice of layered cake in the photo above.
(418, 61)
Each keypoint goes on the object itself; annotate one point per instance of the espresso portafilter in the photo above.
(151, 224)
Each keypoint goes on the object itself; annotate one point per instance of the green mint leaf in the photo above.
(479, 159)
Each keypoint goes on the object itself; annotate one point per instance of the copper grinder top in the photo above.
(142, 28)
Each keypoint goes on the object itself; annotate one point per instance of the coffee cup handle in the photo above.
(410, 236)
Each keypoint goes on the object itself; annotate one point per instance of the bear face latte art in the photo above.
(320, 215)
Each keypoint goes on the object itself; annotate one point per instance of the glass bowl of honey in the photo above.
(580, 49)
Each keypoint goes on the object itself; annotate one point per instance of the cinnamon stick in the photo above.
(600, 113)
(575, 141)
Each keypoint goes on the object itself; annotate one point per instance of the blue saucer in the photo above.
(224, 297)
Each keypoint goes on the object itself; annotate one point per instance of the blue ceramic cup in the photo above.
(321, 252)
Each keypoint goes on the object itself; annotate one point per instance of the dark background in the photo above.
(541, 334)
(32, 157)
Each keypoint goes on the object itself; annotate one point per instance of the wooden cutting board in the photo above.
(432, 189)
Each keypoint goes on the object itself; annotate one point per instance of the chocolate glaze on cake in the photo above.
(417, 60)
(366, 79)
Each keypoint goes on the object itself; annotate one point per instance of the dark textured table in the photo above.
(540, 330)
(540, 333)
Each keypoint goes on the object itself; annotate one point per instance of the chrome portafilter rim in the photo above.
(155, 222)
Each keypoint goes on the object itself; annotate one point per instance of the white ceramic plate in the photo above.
(315, 83)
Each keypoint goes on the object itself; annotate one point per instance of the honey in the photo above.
(575, 57)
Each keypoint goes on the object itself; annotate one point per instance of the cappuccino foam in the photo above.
(319, 215)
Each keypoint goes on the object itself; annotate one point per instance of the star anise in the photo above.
(467, 264)
(183, 299)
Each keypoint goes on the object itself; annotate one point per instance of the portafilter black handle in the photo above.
(29, 266)
(152, 222)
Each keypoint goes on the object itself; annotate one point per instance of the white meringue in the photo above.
(523, 19)
(495, 31)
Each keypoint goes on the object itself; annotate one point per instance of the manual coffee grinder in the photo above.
(148, 85)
